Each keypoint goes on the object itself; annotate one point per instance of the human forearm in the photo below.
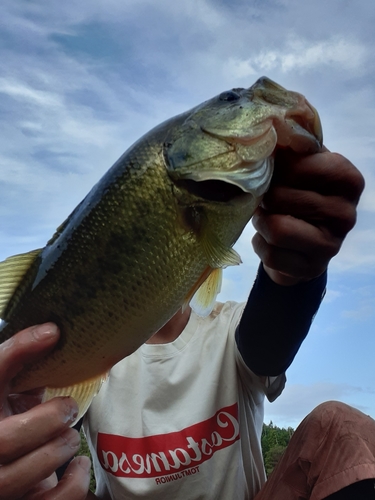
(301, 224)
(275, 322)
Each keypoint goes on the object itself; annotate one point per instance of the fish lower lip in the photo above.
(253, 178)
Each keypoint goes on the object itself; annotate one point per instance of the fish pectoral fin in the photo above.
(204, 298)
(217, 254)
(83, 393)
(12, 270)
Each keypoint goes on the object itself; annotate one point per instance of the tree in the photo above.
(274, 442)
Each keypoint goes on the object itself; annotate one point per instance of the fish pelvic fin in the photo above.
(202, 278)
(217, 254)
(83, 393)
(12, 271)
(204, 298)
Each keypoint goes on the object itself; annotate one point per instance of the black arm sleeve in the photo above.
(275, 321)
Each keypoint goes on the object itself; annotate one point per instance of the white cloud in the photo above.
(298, 400)
(23, 92)
(365, 305)
(300, 54)
(368, 197)
(363, 313)
(346, 54)
(331, 295)
(357, 253)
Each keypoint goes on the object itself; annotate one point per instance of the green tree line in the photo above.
(274, 442)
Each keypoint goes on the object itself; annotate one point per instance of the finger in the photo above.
(75, 482)
(26, 346)
(289, 233)
(334, 212)
(74, 485)
(20, 434)
(45, 485)
(325, 172)
(287, 262)
(19, 477)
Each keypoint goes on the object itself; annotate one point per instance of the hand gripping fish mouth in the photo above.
(240, 140)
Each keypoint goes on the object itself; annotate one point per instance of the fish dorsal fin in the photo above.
(83, 393)
(204, 298)
(12, 270)
(217, 254)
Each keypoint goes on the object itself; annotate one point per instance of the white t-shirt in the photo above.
(182, 420)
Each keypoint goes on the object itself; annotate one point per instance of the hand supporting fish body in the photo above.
(154, 233)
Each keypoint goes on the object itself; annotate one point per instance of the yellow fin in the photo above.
(204, 298)
(12, 270)
(217, 254)
(202, 278)
(83, 393)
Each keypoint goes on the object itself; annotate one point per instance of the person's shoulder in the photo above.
(228, 305)
(226, 310)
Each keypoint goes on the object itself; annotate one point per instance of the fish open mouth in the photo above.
(212, 190)
(226, 185)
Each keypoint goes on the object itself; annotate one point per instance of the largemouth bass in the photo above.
(157, 228)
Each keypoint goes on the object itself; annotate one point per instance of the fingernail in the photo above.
(71, 410)
(71, 438)
(42, 332)
(84, 463)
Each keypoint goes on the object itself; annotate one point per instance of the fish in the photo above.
(152, 236)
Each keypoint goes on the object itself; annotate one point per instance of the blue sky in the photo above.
(81, 81)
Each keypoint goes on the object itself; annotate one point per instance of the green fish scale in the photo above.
(129, 254)
(125, 260)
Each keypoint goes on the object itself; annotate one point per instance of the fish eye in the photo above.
(229, 95)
